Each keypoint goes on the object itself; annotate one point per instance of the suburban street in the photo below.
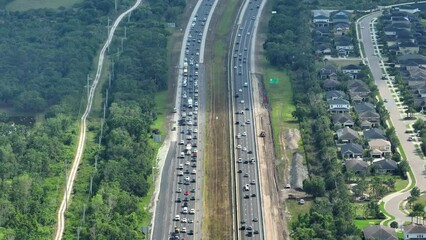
(246, 165)
(177, 204)
(83, 125)
(392, 202)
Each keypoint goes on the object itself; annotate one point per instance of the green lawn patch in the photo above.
(279, 92)
(295, 209)
(24, 5)
(344, 62)
(361, 224)
(162, 107)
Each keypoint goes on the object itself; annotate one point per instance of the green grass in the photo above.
(400, 184)
(422, 200)
(344, 62)
(23, 5)
(361, 224)
(383, 210)
(162, 107)
(295, 209)
(280, 99)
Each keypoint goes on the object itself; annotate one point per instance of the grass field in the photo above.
(280, 99)
(360, 224)
(344, 62)
(23, 5)
(217, 212)
(295, 209)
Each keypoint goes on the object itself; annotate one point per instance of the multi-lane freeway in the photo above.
(178, 213)
(247, 187)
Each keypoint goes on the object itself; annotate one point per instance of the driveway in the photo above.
(392, 202)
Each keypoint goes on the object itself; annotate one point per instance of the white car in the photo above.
(184, 220)
(195, 130)
(179, 190)
(187, 179)
(242, 101)
(177, 218)
(238, 146)
(187, 163)
(194, 171)
(240, 90)
(192, 211)
(244, 134)
(244, 149)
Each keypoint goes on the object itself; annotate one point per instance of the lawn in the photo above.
(23, 5)
(344, 62)
(280, 99)
(162, 107)
(360, 224)
(295, 209)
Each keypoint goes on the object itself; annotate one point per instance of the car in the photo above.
(186, 193)
(248, 33)
(193, 180)
(255, 220)
(184, 220)
(246, 162)
(243, 227)
(192, 211)
(237, 122)
(187, 163)
(179, 190)
(235, 67)
(178, 200)
(253, 195)
(256, 231)
(180, 181)
(240, 160)
(385, 100)
(245, 49)
(246, 196)
(194, 171)
(246, 175)
(182, 142)
(187, 179)
(191, 232)
(288, 185)
(240, 171)
(193, 190)
(410, 139)
(250, 152)
(240, 90)
(244, 134)
(249, 228)
(194, 165)
(248, 121)
(242, 101)
(237, 95)
(180, 173)
(238, 136)
(244, 149)
(190, 221)
(177, 218)
(186, 199)
(183, 230)
(185, 204)
(253, 182)
(192, 198)
(238, 146)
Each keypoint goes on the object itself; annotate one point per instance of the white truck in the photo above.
(190, 102)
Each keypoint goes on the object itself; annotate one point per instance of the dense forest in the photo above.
(47, 55)
(115, 209)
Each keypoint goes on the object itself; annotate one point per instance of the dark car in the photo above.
(192, 198)
(240, 171)
(256, 231)
(178, 200)
(246, 196)
(243, 227)
(253, 195)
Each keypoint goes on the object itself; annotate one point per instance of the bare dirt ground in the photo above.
(217, 212)
(274, 220)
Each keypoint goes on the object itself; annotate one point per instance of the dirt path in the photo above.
(274, 221)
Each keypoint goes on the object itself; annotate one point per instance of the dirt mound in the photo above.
(292, 137)
(298, 172)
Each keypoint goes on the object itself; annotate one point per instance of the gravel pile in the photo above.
(292, 137)
(298, 172)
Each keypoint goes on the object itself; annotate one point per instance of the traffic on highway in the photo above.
(182, 220)
(247, 187)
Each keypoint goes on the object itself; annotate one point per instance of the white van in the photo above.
(185, 210)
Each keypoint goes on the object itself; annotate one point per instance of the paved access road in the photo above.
(247, 187)
(392, 201)
(178, 213)
(82, 137)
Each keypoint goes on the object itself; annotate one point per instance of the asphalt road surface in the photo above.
(393, 201)
(250, 220)
(179, 209)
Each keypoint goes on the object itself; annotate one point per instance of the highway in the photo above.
(178, 211)
(247, 187)
(83, 125)
(367, 35)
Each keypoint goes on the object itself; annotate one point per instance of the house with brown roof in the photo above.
(379, 148)
(379, 232)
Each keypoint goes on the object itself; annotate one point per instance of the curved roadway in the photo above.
(247, 187)
(83, 123)
(375, 62)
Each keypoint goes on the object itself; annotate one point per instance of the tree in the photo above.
(394, 224)
(415, 192)
(314, 186)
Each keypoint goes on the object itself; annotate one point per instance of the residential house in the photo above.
(343, 120)
(321, 18)
(374, 133)
(399, 19)
(404, 60)
(358, 88)
(344, 45)
(322, 31)
(364, 107)
(379, 148)
(379, 232)
(356, 165)
(331, 84)
(408, 9)
(327, 70)
(402, 26)
(366, 124)
(334, 94)
(347, 135)
(371, 116)
(389, 30)
(351, 150)
(408, 48)
(341, 29)
(414, 75)
(323, 49)
(384, 166)
(414, 231)
(351, 70)
(339, 105)
(340, 17)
